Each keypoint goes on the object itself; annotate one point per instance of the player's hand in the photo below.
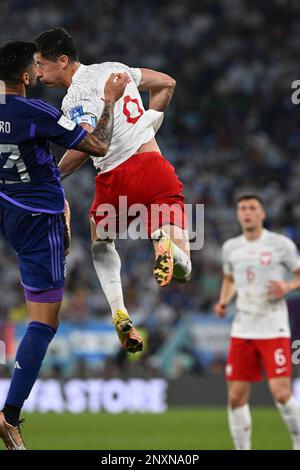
(220, 309)
(115, 86)
(277, 290)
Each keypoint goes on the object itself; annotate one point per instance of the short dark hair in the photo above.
(246, 197)
(15, 58)
(56, 42)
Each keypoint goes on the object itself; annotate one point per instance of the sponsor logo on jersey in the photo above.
(280, 370)
(17, 365)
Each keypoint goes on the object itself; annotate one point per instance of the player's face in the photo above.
(48, 72)
(32, 72)
(29, 77)
(250, 214)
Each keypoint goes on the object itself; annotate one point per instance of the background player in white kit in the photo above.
(255, 265)
(133, 166)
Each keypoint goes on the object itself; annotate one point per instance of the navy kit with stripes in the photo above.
(31, 196)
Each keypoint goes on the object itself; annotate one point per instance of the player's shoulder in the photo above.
(111, 66)
(233, 243)
(37, 107)
(84, 85)
(89, 80)
(278, 239)
(96, 71)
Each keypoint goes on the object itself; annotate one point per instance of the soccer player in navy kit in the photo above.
(31, 204)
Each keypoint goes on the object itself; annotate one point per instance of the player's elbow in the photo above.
(92, 145)
(170, 83)
(100, 145)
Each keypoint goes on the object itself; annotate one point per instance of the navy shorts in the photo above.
(38, 240)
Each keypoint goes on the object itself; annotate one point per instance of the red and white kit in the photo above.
(145, 178)
(260, 335)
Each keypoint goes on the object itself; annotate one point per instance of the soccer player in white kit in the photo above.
(133, 167)
(255, 265)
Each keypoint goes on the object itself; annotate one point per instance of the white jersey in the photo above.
(133, 126)
(253, 264)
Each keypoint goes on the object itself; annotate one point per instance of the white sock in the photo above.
(107, 264)
(290, 412)
(240, 426)
(182, 263)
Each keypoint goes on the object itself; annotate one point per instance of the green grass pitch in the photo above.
(178, 428)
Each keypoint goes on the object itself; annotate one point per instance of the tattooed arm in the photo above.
(97, 141)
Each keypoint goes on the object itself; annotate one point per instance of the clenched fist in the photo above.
(115, 86)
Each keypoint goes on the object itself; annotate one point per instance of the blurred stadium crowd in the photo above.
(231, 127)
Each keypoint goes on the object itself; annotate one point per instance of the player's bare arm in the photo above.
(279, 289)
(72, 160)
(97, 141)
(160, 87)
(228, 291)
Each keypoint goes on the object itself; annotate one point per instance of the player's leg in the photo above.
(45, 312)
(172, 254)
(30, 354)
(161, 191)
(276, 354)
(38, 242)
(242, 368)
(288, 407)
(107, 264)
(239, 417)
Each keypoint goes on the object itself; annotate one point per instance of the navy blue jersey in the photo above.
(29, 177)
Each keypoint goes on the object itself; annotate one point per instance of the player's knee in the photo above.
(54, 323)
(237, 399)
(99, 246)
(282, 395)
(236, 402)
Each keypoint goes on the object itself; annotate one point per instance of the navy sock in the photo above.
(29, 358)
(12, 414)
